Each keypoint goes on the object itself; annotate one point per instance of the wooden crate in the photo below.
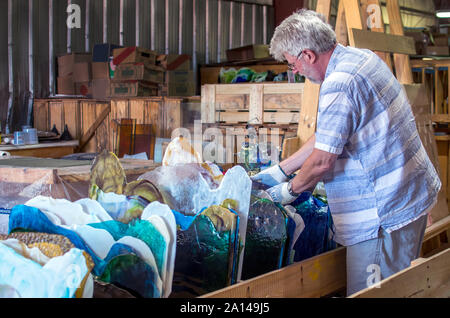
(210, 74)
(93, 122)
(274, 103)
(318, 276)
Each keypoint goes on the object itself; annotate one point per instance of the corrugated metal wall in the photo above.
(219, 25)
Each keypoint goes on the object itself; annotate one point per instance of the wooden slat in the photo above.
(383, 42)
(429, 278)
(290, 88)
(41, 115)
(341, 25)
(88, 117)
(56, 113)
(71, 109)
(256, 105)
(268, 117)
(440, 118)
(172, 113)
(208, 104)
(321, 275)
(353, 18)
(314, 277)
(282, 101)
(437, 228)
(102, 132)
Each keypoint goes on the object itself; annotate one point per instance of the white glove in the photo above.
(271, 176)
(280, 194)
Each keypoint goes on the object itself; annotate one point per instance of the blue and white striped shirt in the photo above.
(383, 176)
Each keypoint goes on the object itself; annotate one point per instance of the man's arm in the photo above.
(295, 161)
(312, 171)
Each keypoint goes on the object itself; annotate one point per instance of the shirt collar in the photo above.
(338, 50)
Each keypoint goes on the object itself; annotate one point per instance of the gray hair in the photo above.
(304, 29)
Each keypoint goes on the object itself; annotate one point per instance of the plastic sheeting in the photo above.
(24, 277)
(121, 252)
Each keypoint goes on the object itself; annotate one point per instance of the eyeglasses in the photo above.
(292, 65)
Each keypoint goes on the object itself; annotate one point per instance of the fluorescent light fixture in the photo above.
(443, 13)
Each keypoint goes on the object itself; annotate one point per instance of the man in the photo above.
(379, 181)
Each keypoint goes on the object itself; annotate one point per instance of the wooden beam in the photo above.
(401, 61)
(310, 100)
(315, 277)
(427, 278)
(341, 25)
(318, 276)
(353, 18)
(377, 41)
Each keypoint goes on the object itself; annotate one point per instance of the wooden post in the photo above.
(375, 27)
(401, 61)
(310, 100)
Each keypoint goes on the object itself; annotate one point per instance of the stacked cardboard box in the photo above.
(74, 74)
(135, 73)
(178, 77)
(101, 71)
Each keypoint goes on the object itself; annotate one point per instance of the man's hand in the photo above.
(280, 194)
(271, 176)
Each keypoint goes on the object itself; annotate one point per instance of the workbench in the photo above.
(56, 149)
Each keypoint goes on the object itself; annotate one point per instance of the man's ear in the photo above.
(310, 56)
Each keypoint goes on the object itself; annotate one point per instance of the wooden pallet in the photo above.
(259, 103)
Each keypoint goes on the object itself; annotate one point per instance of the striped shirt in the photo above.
(383, 176)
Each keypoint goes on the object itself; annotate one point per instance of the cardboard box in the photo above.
(134, 54)
(177, 89)
(172, 62)
(133, 89)
(66, 86)
(100, 70)
(83, 89)
(139, 71)
(66, 63)
(437, 50)
(101, 88)
(102, 52)
(179, 77)
(82, 72)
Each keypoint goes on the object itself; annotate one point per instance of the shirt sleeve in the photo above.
(336, 121)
